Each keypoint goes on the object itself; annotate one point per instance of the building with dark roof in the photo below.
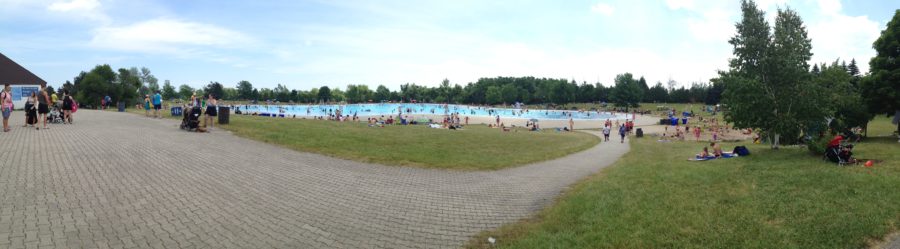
(14, 74)
(22, 82)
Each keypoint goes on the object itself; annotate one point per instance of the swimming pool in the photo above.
(391, 109)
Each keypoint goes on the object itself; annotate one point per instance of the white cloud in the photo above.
(830, 6)
(680, 4)
(88, 9)
(603, 9)
(166, 35)
(75, 5)
(836, 35)
(714, 25)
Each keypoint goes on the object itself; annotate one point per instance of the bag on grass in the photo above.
(741, 151)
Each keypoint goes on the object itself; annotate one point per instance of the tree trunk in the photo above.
(775, 141)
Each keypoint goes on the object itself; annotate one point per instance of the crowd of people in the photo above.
(40, 108)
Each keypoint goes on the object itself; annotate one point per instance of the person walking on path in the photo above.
(157, 104)
(43, 107)
(146, 105)
(210, 111)
(6, 106)
(606, 130)
(622, 132)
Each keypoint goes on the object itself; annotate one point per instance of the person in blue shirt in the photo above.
(157, 104)
(622, 133)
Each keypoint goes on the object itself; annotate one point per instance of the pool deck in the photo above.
(121, 180)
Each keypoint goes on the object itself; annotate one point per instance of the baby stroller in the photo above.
(55, 117)
(841, 154)
(191, 120)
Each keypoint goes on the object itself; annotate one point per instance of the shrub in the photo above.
(817, 145)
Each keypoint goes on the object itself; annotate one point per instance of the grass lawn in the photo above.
(474, 148)
(654, 198)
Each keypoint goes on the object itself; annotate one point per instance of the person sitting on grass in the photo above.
(717, 150)
(704, 153)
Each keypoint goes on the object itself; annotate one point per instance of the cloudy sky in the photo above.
(309, 43)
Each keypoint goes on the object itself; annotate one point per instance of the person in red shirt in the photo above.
(836, 141)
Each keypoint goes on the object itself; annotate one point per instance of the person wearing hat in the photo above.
(147, 105)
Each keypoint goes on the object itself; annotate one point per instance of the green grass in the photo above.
(477, 147)
(654, 198)
(474, 148)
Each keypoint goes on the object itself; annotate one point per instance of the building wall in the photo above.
(21, 92)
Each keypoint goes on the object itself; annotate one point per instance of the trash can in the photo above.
(224, 112)
(639, 132)
(121, 106)
(176, 111)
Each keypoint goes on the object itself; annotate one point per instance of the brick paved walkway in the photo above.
(121, 180)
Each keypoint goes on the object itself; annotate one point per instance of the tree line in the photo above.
(131, 84)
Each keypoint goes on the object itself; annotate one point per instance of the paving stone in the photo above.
(122, 180)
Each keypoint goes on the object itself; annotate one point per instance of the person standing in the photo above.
(55, 100)
(606, 130)
(31, 110)
(622, 132)
(697, 133)
(157, 104)
(68, 104)
(146, 105)
(210, 111)
(571, 124)
(6, 106)
(43, 106)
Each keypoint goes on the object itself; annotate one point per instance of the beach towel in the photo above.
(725, 155)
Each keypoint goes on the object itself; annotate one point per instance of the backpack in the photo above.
(741, 151)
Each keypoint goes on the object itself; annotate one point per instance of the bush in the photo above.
(817, 145)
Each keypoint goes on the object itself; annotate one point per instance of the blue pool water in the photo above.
(391, 109)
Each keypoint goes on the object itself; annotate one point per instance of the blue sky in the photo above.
(306, 44)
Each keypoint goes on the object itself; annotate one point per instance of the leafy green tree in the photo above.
(644, 89)
(853, 70)
(96, 84)
(658, 93)
(337, 95)
(168, 91)
(847, 109)
(282, 94)
(493, 95)
(714, 92)
(627, 91)
(149, 80)
(185, 91)
(324, 94)
(245, 90)
(769, 86)
(881, 89)
(382, 93)
(509, 93)
(214, 88)
(230, 94)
